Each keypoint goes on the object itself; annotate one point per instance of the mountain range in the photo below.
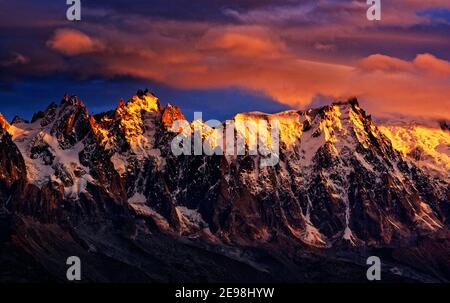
(108, 189)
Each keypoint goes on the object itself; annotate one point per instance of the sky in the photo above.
(223, 57)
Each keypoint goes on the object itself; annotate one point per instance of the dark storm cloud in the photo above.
(203, 10)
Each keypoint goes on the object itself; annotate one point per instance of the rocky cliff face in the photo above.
(108, 188)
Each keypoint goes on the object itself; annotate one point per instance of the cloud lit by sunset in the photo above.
(294, 53)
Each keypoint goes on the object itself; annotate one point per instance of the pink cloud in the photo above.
(73, 42)
(432, 64)
(15, 59)
(256, 58)
(244, 41)
(385, 63)
(282, 51)
(326, 47)
(422, 63)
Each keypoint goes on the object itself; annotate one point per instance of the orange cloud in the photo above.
(432, 64)
(260, 59)
(390, 84)
(422, 62)
(385, 63)
(241, 42)
(72, 42)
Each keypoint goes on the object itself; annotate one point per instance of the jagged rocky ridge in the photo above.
(108, 188)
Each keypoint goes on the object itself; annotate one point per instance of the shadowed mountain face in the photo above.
(108, 189)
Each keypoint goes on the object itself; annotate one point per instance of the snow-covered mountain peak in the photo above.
(18, 119)
(51, 143)
(335, 123)
(322, 151)
(426, 145)
(143, 101)
(4, 123)
(131, 124)
(340, 181)
(171, 114)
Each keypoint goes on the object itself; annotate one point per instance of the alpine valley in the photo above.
(108, 189)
